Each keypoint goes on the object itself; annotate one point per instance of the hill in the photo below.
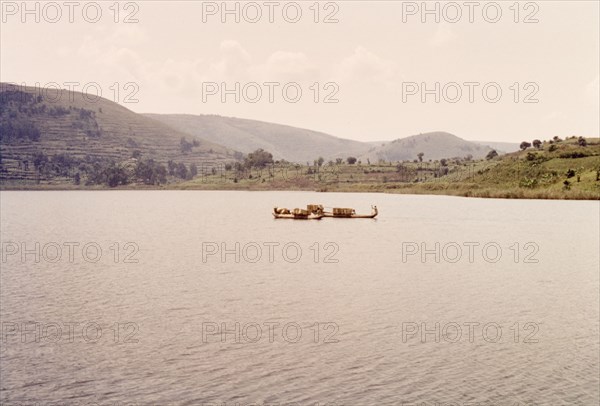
(284, 142)
(435, 145)
(558, 169)
(500, 147)
(70, 129)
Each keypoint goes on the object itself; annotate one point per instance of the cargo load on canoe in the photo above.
(315, 208)
(343, 212)
(350, 213)
(317, 211)
(296, 214)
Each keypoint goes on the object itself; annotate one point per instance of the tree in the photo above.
(339, 161)
(115, 175)
(351, 160)
(582, 142)
(172, 166)
(443, 162)
(39, 160)
(181, 171)
(193, 170)
(258, 159)
(537, 144)
(161, 174)
(185, 145)
(320, 161)
(491, 155)
(552, 148)
(556, 138)
(151, 172)
(524, 145)
(420, 156)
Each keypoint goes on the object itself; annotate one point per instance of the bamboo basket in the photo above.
(342, 211)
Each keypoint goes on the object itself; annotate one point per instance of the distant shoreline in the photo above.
(558, 170)
(421, 189)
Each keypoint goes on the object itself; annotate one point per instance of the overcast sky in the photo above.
(369, 61)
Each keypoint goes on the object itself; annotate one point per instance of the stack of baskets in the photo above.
(314, 208)
(300, 212)
(340, 211)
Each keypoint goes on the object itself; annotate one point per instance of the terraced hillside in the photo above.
(68, 125)
(284, 142)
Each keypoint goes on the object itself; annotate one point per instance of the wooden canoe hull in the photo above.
(295, 217)
(373, 214)
(352, 216)
(311, 214)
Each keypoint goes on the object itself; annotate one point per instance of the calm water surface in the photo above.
(161, 316)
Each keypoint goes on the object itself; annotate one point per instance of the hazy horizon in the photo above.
(367, 58)
(334, 135)
(51, 92)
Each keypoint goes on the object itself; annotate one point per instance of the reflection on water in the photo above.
(202, 297)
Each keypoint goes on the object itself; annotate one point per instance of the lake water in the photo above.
(141, 297)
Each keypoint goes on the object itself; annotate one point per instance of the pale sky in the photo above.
(374, 55)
